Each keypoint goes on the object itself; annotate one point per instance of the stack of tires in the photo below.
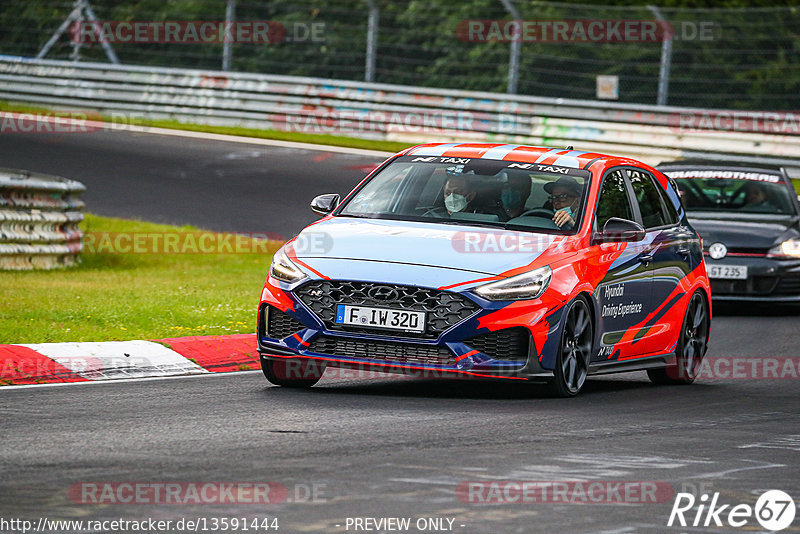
(39, 217)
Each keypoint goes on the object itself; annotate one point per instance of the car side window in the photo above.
(613, 200)
(670, 211)
(651, 203)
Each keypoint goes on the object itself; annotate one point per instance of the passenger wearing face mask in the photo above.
(565, 196)
(458, 194)
(514, 194)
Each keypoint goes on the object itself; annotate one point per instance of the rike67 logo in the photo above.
(774, 510)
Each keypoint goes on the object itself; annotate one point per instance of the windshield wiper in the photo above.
(454, 222)
(482, 224)
(357, 216)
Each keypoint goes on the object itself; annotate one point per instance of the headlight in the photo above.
(528, 285)
(788, 249)
(283, 269)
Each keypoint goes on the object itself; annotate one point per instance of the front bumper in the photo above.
(768, 280)
(464, 350)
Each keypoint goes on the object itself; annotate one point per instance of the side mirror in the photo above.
(324, 204)
(618, 230)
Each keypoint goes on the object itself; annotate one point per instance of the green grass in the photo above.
(299, 137)
(112, 296)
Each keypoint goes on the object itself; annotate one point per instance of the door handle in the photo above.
(683, 251)
(646, 259)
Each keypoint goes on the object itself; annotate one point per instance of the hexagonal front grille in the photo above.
(506, 344)
(444, 309)
(280, 325)
(383, 350)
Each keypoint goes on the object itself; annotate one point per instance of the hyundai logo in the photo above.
(383, 293)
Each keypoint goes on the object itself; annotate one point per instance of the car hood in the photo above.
(737, 232)
(343, 247)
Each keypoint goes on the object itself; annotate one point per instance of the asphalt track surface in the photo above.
(214, 185)
(376, 447)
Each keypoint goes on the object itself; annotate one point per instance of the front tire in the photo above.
(293, 373)
(575, 351)
(692, 345)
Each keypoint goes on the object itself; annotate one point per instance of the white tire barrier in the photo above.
(39, 217)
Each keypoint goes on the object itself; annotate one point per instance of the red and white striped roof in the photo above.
(577, 159)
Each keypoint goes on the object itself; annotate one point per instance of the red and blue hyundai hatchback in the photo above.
(493, 261)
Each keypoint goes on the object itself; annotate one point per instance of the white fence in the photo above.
(400, 113)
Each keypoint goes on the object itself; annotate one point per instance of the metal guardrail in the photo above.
(39, 216)
(393, 112)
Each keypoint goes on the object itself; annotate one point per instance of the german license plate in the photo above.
(405, 320)
(730, 272)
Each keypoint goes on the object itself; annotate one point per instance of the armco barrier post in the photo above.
(227, 46)
(39, 216)
(666, 59)
(372, 40)
(516, 45)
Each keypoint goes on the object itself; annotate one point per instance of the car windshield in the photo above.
(471, 191)
(740, 192)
